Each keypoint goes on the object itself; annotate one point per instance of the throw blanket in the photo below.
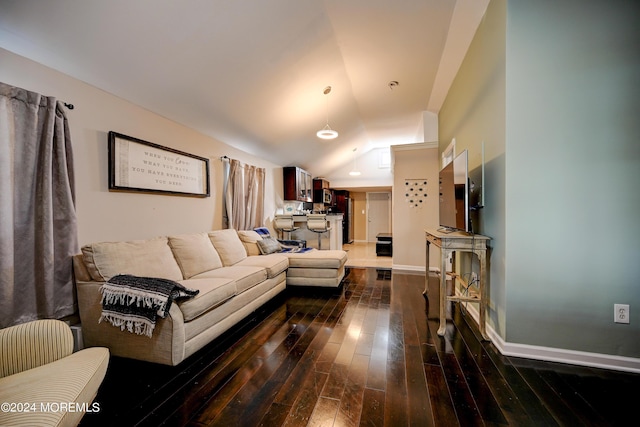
(135, 303)
(262, 231)
(295, 249)
(287, 245)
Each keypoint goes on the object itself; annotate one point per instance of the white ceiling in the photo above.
(251, 73)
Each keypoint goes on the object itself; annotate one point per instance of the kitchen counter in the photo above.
(332, 239)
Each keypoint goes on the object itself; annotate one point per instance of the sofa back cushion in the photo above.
(194, 253)
(250, 240)
(152, 258)
(229, 246)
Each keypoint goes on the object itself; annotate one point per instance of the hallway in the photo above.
(363, 254)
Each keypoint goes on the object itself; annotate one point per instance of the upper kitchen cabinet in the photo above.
(298, 184)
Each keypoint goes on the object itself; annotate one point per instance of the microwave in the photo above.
(322, 196)
(326, 196)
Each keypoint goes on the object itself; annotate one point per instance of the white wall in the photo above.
(104, 215)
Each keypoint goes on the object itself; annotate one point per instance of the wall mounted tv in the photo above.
(454, 194)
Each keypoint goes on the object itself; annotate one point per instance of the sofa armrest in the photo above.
(166, 346)
(80, 270)
(33, 344)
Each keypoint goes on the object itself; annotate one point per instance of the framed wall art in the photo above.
(142, 166)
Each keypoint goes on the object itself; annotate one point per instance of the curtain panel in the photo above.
(244, 195)
(38, 228)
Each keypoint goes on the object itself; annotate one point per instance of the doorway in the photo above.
(378, 214)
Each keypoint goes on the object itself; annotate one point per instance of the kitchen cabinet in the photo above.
(297, 184)
(320, 191)
(320, 184)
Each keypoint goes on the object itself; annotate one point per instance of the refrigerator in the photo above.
(344, 205)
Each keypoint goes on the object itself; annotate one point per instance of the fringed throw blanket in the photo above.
(135, 303)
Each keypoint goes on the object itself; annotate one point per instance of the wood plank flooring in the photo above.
(365, 354)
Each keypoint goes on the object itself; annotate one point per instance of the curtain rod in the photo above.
(68, 105)
(223, 158)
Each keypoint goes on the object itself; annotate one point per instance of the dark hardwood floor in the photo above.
(365, 354)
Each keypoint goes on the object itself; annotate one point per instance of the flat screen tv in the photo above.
(454, 194)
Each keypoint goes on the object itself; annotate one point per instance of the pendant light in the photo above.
(326, 132)
(355, 171)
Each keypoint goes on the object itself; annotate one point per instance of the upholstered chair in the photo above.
(38, 368)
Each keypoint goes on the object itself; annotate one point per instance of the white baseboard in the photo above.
(550, 354)
(402, 267)
(407, 267)
(583, 358)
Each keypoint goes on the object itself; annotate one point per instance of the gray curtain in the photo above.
(38, 232)
(244, 196)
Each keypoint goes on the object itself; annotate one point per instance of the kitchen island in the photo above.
(332, 239)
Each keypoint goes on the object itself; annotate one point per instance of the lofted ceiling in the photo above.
(251, 73)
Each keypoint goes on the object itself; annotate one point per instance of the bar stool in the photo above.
(318, 224)
(284, 224)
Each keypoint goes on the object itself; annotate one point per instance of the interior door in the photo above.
(378, 214)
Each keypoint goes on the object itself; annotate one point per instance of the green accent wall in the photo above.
(553, 89)
(473, 114)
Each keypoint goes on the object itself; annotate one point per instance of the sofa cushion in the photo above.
(194, 253)
(151, 258)
(250, 239)
(274, 263)
(269, 245)
(317, 259)
(245, 276)
(228, 245)
(213, 292)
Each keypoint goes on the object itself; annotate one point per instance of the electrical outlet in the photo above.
(621, 313)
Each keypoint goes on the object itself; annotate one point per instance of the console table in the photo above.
(450, 243)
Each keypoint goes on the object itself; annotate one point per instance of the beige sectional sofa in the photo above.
(228, 269)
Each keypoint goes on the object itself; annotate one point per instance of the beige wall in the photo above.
(409, 223)
(359, 216)
(104, 215)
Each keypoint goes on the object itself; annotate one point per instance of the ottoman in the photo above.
(316, 268)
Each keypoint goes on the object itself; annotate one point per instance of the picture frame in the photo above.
(136, 165)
